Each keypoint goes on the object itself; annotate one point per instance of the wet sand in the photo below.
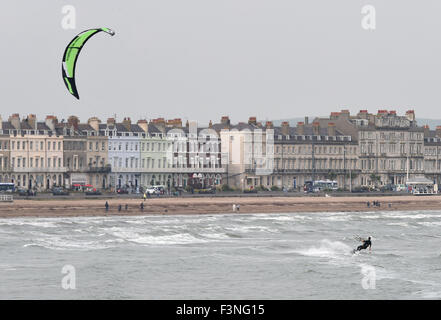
(212, 205)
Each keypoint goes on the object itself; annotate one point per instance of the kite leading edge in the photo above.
(71, 54)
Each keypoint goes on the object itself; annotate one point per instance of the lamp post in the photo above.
(344, 166)
(313, 160)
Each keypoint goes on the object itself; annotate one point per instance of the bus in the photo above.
(7, 187)
(326, 185)
(320, 185)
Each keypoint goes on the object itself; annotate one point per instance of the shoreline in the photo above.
(212, 205)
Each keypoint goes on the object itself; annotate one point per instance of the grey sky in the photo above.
(201, 59)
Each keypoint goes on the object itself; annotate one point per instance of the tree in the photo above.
(375, 179)
(352, 175)
(331, 175)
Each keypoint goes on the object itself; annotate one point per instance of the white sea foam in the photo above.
(426, 294)
(279, 218)
(165, 240)
(430, 223)
(400, 224)
(410, 215)
(215, 236)
(330, 249)
(370, 216)
(62, 244)
(247, 229)
(335, 218)
(34, 223)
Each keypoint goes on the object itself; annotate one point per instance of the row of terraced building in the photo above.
(352, 149)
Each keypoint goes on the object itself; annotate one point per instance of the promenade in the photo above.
(59, 207)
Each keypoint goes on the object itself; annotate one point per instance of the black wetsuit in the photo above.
(365, 245)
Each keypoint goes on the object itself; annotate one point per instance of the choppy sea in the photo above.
(243, 256)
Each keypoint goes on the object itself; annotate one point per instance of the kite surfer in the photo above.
(366, 243)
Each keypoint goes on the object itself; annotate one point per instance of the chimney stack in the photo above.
(345, 114)
(306, 120)
(174, 123)
(127, 123)
(334, 115)
(225, 120)
(426, 130)
(94, 122)
(110, 121)
(363, 114)
(316, 128)
(32, 121)
(177, 123)
(410, 114)
(51, 121)
(300, 128)
(382, 113)
(159, 123)
(15, 120)
(73, 121)
(143, 124)
(331, 129)
(285, 128)
(252, 120)
(269, 125)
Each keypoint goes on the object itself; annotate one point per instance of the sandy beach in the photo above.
(212, 205)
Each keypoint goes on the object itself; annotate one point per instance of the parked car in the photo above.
(58, 191)
(122, 191)
(93, 192)
(360, 189)
(206, 191)
(253, 190)
(160, 189)
(152, 190)
(26, 192)
(387, 187)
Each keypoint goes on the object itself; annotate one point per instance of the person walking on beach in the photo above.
(141, 206)
(119, 207)
(127, 207)
(107, 206)
(144, 196)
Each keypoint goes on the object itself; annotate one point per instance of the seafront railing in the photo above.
(6, 198)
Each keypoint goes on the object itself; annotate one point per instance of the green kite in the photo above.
(71, 55)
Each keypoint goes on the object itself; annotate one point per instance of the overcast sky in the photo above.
(201, 59)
